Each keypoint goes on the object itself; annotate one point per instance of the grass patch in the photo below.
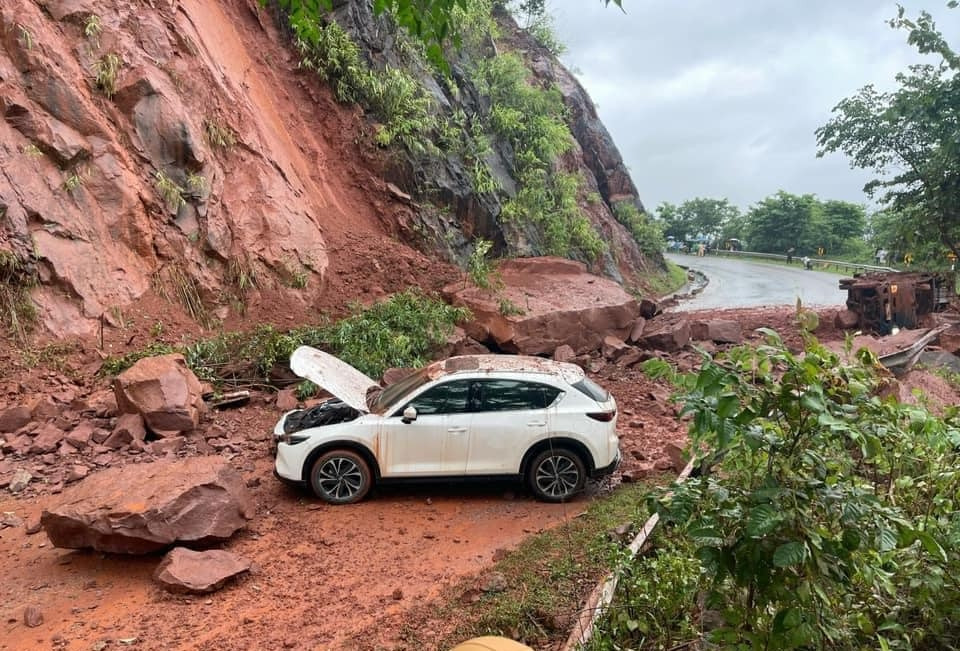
(106, 71)
(219, 134)
(17, 310)
(170, 191)
(547, 577)
(665, 283)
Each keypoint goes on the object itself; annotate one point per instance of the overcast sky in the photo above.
(721, 99)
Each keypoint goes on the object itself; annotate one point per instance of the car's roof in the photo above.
(569, 373)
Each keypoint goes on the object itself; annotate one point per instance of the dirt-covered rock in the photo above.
(146, 507)
(162, 390)
(552, 302)
(185, 571)
(720, 331)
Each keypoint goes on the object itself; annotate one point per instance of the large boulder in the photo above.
(670, 337)
(162, 390)
(186, 571)
(558, 302)
(720, 331)
(147, 507)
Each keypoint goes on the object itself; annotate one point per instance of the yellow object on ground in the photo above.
(491, 643)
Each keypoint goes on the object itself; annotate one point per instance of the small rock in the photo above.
(677, 456)
(397, 594)
(185, 571)
(10, 519)
(286, 400)
(76, 473)
(253, 482)
(649, 309)
(394, 375)
(32, 617)
(33, 525)
(564, 353)
(663, 464)
(129, 428)
(613, 348)
(20, 480)
(495, 582)
(846, 320)
(14, 418)
(47, 439)
(638, 327)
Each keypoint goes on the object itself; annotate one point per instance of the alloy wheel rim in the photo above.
(340, 478)
(557, 476)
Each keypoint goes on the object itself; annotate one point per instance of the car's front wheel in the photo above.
(340, 477)
(556, 475)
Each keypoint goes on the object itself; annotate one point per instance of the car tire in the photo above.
(556, 475)
(340, 477)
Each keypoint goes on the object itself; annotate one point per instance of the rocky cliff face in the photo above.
(594, 156)
(172, 147)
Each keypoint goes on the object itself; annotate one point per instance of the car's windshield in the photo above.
(380, 401)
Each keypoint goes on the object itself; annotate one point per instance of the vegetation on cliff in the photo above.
(486, 108)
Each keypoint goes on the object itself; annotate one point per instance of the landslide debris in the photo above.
(147, 507)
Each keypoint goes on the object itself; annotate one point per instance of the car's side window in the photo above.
(511, 395)
(446, 398)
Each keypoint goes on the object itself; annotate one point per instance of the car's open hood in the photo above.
(332, 374)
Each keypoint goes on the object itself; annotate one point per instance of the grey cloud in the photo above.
(722, 99)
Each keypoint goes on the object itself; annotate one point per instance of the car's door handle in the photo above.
(457, 430)
(537, 423)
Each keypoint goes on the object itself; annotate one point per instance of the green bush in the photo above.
(392, 95)
(400, 331)
(646, 233)
(832, 518)
(532, 120)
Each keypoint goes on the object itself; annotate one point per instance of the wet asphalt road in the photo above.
(742, 283)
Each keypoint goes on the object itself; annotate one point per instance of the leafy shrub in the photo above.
(395, 97)
(833, 518)
(478, 265)
(400, 331)
(532, 120)
(656, 599)
(646, 233)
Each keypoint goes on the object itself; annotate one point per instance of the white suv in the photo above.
(474, 416)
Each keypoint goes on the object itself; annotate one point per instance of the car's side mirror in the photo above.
(410, 414)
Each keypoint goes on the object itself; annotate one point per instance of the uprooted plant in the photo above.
(400, 331)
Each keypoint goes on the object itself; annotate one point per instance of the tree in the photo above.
(838, 226)
(909, 137)
(699, 217)
(782, 222)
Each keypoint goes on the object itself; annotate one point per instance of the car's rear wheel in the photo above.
(556, 475)
(340, 477)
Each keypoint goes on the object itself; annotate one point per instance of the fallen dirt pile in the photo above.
(374, 560)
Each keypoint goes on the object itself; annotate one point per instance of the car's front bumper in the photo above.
(288, 481)
(608, 469)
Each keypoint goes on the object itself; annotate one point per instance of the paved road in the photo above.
(741, 283)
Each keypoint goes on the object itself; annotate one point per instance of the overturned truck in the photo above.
(886, 300)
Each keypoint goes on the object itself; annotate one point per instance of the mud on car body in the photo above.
(473, 416)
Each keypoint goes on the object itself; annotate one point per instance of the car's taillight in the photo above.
(603, 416)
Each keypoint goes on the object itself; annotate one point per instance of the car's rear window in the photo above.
(591, 389)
